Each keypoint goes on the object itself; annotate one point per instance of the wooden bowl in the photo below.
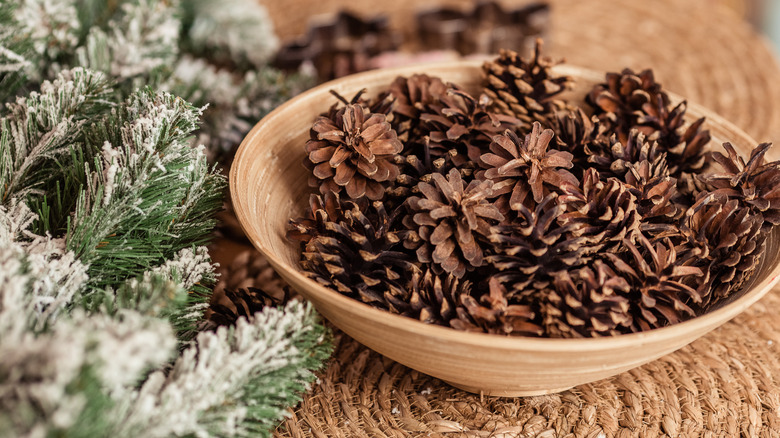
(268, 184)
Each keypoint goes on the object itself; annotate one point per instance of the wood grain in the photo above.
(268, 185)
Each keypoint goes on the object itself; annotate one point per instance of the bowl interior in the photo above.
(269, 186)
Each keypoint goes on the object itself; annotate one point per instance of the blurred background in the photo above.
(764, 15)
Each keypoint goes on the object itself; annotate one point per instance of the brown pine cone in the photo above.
(461, 127)
(452, 220)
(655, 191)
(356, 254)
(434, 297)
(606, 212)
(520, 167)
(755, 183)
(524, 89)
(237, 303)
(684, 146)
(531, 251)
(612, 157)
(574, 132)
(663, 287)
(630, 101)
(726, 239)
(493, 313)
(352, 149)
(590, 301)
(413, 96)
(624, 99)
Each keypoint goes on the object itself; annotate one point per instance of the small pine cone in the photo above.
(590, 301)
(685, 146)
(434, 297)
(664, 286)
(461, 127)
(755, 183)
(493, 313)
(414, 171)
(323, 209)
(655, 191)
(726, 239)
(622, 102)
(250, 269)
(524, 89)
(356, 254)
(237, 303)
(605, 212)
(453, 221)
(534, 249)
(612, 157)
(352, 149)
(519, 168)
(574, 132)
(414, 95)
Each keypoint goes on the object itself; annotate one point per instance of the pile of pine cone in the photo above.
(514, 212)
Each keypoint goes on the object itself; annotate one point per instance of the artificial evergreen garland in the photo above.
(104, 209)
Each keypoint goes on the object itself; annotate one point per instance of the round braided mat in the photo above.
(723, 385)
(698, 48)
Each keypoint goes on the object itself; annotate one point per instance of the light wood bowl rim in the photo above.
(482, 340)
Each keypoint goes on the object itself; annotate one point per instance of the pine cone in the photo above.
(434, 297)
(587, 302)
(522, 167)
(628, 101)
(414, 95)
(605, 211)
(623, 100)
(524, 89)
(654, 190)
(612, 157)
(534, 249)
(663, 287)
(755, 183)
(322, 211)
(726, 239)
(574, 132)
(460, 127)
(239, 303)
(353, 149)
(453, 220)
(356, 254)
(684, 146)
(493, 313)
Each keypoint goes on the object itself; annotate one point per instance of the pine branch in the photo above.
(234, 102)
(64, 382)
(36, 137)
(177, 291)
(139, 43)
(150, 194)
(37, 274)
(236, 33)
(236, 381)
(16, 51)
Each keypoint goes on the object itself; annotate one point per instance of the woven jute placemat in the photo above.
(726, 384)
(698, 48)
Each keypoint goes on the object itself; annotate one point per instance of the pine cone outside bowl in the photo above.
(269, 186)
